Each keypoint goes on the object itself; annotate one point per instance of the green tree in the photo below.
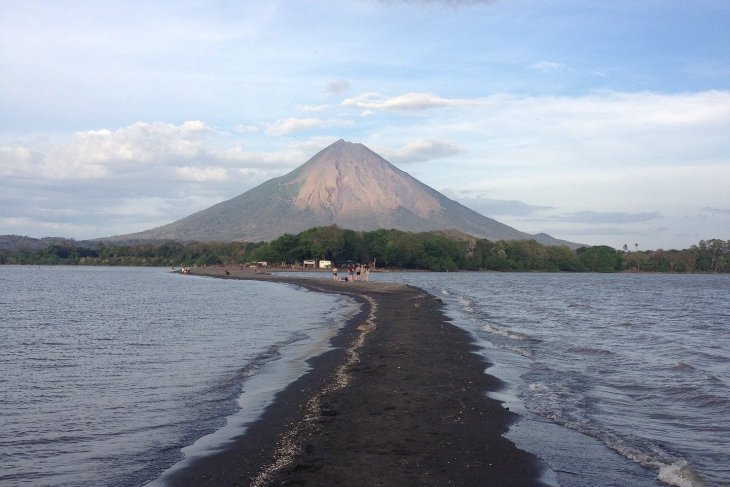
(287, 248)
(712, 255)
(562, 258)
(322, 242)
(601, 258)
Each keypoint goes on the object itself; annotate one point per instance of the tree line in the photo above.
(435, 251)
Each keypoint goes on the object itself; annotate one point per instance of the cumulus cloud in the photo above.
(541, 162)
(105, 182)
(421, 151)
(95, 154)
(405, 102)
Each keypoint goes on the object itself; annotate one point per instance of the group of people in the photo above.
(356, 272)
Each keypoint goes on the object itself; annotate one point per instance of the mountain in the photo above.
(14, 243)
(345, 184)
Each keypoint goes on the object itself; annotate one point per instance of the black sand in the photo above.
(401, 401)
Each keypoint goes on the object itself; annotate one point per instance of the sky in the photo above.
(603, 123)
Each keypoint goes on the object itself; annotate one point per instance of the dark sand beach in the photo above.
(400, 400)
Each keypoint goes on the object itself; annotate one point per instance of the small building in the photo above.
(309, 263)
(325, 264)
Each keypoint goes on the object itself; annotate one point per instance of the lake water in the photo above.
(622, 379)
(108, 374)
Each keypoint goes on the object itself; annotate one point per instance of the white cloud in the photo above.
(141, 150)
(514, 113)
(95, 154)
(405, 102)
(587, 134)
(129, 179)
(201, 173)
(293, 125)
(289, 125)
(608, 155)
(577, 162)
(421, 151)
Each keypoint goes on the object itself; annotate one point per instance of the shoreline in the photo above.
(400, 399)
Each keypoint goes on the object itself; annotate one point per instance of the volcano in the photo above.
(346, 184)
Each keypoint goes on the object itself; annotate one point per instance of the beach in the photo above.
(399, 400)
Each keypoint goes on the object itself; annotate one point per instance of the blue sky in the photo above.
(596, 122)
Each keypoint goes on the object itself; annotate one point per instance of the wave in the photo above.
(466, 304)
(592, 351)
(525, 352)
(503, 332)
(670, 470)
(679, 474)
(273, 352)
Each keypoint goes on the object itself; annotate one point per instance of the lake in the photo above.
(108, 373)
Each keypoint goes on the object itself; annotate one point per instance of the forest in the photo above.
(435, 251)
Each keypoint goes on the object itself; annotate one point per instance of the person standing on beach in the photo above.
(366, 272)
(334, 274)
(358, 270)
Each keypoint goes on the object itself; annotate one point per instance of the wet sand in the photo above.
(400, 400)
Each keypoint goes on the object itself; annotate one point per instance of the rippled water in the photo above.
(622, 379)
(107, 373)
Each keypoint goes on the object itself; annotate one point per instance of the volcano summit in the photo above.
(346, 184)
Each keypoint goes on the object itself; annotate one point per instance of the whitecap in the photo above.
(466, 304)
(679, 474)
(538, 387)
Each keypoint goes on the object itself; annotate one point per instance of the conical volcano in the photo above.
(345, 184)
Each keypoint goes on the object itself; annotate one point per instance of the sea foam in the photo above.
(679, 474)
